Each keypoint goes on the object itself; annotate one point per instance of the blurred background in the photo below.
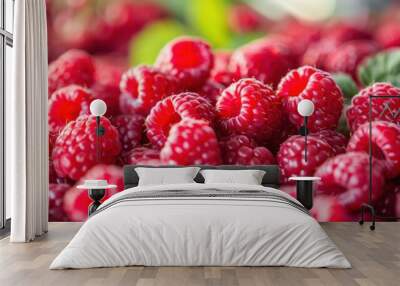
(133, 31)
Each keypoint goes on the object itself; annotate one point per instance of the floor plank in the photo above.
(375, 257)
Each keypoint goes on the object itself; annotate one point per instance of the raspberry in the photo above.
(319, 87)
(335, 139)
(187, 59)
(382, 108)
(328, 209)
(243, 19)
(172, 110)
(388, 34)
(241, 150)
(73, 67)
(119, 22)
(191, 142)
(77, 201)
(75, 150)
(130, 129)
(334, 36)
(142, 155)
(56, 200)
(325, 208)
(290, 156)
(211, 90)
(291, 30)
(110, 95)
(347, 177)
(221, 72)
(251, 108)
(263, 60)
(318, 53)
(109, 70)
(342, 32)
(389, 204)
(142, 87)
(349, 55)
(385, 144)
(66, 104)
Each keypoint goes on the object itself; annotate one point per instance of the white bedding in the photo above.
(200, 231)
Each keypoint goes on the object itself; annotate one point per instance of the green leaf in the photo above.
(347, 85)
(382, 67)
(145, 47)
(208, 18)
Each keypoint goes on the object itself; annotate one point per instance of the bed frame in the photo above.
(271, 177)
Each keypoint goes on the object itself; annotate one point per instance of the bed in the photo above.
(197, 224)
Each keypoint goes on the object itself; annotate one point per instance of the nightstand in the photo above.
(96, 190)
(304, 190)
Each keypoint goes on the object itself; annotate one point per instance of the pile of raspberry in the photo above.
(197, 106)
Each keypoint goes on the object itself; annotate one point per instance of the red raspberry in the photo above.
(263, 60)
(191, 142)
(221, 72)
(241, 150)
(211, 90)
(130, 128)
(347, 177)
(114, 28)
(142, 87)
(109, 70)
(56, 200)
(382, 108)
(251, 108)
(173, 109)
(319, 87)
(388, 34)
(335, 139)
(385, 144)
(73, 67)
(75, 149)
(389, 204)
(67, 104)
(325, 208)
(318, 53)
(187, 59)
(110, 95)
(329, 209)
(290, 156)
(342, 32)
(77, 201)
(243, 19)
(287, 130)
(349, 55)
(292, 29)
(141, 156)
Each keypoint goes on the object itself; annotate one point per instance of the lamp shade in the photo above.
(98, 107)
(305, 107)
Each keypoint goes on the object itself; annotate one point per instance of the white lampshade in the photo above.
(98, 107)
(305, 107)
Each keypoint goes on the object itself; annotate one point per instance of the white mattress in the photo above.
(200, 231)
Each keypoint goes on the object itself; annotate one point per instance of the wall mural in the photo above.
(226, 94)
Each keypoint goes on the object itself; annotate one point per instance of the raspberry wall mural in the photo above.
(183, 89)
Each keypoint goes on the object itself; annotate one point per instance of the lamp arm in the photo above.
(305, 135)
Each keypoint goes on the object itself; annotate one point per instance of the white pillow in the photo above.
(166, 176)
(248, 177)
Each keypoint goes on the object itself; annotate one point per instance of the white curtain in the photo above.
(26, 124)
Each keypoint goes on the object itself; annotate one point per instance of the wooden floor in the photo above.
(375, 257)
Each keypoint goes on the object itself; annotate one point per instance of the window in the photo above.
(6, 43)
